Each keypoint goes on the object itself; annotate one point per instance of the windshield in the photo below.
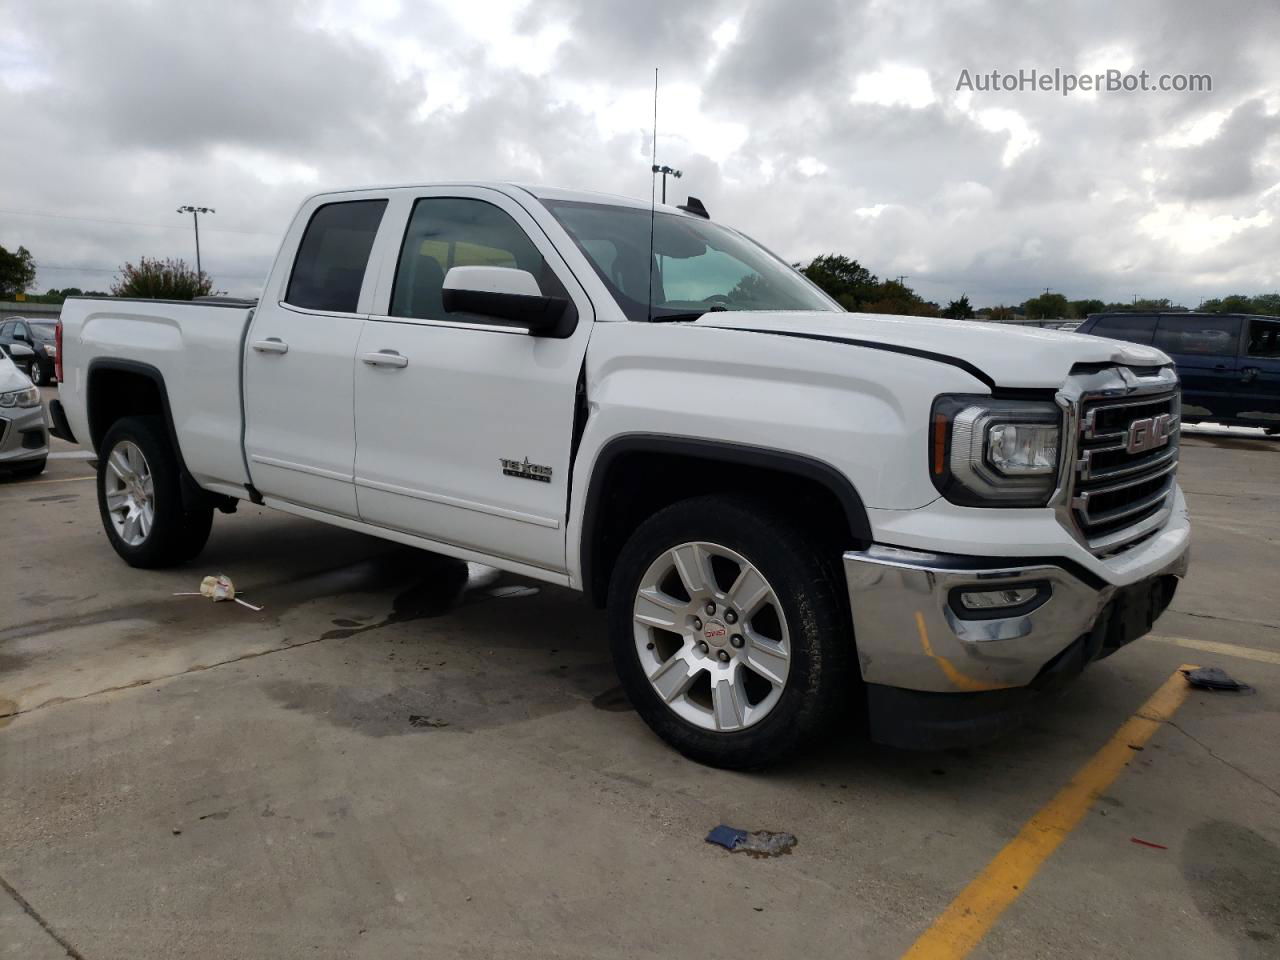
(42, 332)
(697, 266)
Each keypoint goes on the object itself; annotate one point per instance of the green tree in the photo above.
(1082, 308)
(897, 298)
(1047, 306)
(1267, 304)
(162, 280)
(17, 272)
(959, 309)
(845, 280)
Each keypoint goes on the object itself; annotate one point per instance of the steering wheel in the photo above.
(716, 298)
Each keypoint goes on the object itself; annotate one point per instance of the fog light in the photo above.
(996, 599)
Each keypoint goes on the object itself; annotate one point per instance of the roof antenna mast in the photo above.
(653, 185)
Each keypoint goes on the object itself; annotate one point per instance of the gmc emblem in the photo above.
(1149, 434)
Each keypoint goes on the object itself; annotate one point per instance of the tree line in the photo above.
(859, 290)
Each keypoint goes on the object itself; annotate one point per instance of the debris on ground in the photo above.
(1213, 678)
(1147, 843)
(760, 843)
(218, 588)
(417, 720)
(513, 590)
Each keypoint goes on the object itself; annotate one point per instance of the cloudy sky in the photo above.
(813, 125)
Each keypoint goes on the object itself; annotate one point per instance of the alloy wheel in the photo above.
(711, 636)
(129, 490)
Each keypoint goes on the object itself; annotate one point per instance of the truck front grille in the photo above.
(1126, 458)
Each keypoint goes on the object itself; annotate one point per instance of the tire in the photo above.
(37, 375)
(725, 722)
(174, 534)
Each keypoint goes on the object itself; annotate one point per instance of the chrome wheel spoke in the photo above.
(655, 609)
(767, 658)
(728, 701)
(694, 567)
(749, 590)
(119, 465)
(117, 500)
(673, 678)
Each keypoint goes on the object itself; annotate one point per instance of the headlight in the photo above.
(27, 397)
(985, 452)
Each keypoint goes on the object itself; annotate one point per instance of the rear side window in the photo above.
(332, 257)
(447, 232)
(1264, 338)
(1205, 336)
(1133, 329)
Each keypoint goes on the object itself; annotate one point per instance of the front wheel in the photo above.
(38, 377)
(140, 497)
(727, 632)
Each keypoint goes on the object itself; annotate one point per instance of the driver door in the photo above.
(464, 428)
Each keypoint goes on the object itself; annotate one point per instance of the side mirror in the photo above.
(506, 294)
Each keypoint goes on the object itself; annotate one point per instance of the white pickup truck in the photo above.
(788, 509)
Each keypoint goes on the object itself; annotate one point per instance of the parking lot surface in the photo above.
(403, 756)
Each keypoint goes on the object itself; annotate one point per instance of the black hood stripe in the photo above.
(964, 365)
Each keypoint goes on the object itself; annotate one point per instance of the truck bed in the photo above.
(197, 345)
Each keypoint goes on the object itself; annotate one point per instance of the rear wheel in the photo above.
(727, 632)
(140, 497)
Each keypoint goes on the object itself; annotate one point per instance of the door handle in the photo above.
(385, 358)
(271, 345)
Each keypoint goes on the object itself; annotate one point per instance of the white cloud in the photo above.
(893, 85)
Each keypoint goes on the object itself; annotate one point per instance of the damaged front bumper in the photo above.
(941, 674)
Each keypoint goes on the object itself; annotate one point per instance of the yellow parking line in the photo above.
(966, 921)
(1222, 649)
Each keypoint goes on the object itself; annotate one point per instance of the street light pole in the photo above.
(664, 170)
(195, 219)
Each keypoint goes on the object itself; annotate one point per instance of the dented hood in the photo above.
(1005, 355)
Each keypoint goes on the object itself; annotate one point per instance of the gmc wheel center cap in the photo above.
(715, 633)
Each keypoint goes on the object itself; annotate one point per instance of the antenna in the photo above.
(653, 186)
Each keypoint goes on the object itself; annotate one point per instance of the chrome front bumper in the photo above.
(911, 632)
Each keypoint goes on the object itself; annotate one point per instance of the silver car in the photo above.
(24, 432)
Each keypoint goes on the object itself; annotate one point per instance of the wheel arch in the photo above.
(683, 467)
(117, 388)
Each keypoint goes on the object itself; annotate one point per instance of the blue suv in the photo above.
(1229, 363)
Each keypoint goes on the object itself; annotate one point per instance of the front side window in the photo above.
(1133, 329)
(1264, 339)
(448, 232)
(697, 266)
(1199, 335)
(332, 257)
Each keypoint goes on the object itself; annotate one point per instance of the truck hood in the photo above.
(1002, 354)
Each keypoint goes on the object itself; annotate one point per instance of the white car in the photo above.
(787, 508)
(24, 436)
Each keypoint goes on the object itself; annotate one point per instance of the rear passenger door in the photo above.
(1206, 349)
(299, 395)
(464, 426)
(1259, 391)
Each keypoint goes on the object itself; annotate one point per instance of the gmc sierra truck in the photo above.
(787, 509)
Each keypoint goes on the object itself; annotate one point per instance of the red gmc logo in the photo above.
(714, 632)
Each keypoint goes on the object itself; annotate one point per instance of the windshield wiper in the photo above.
(687, 316)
